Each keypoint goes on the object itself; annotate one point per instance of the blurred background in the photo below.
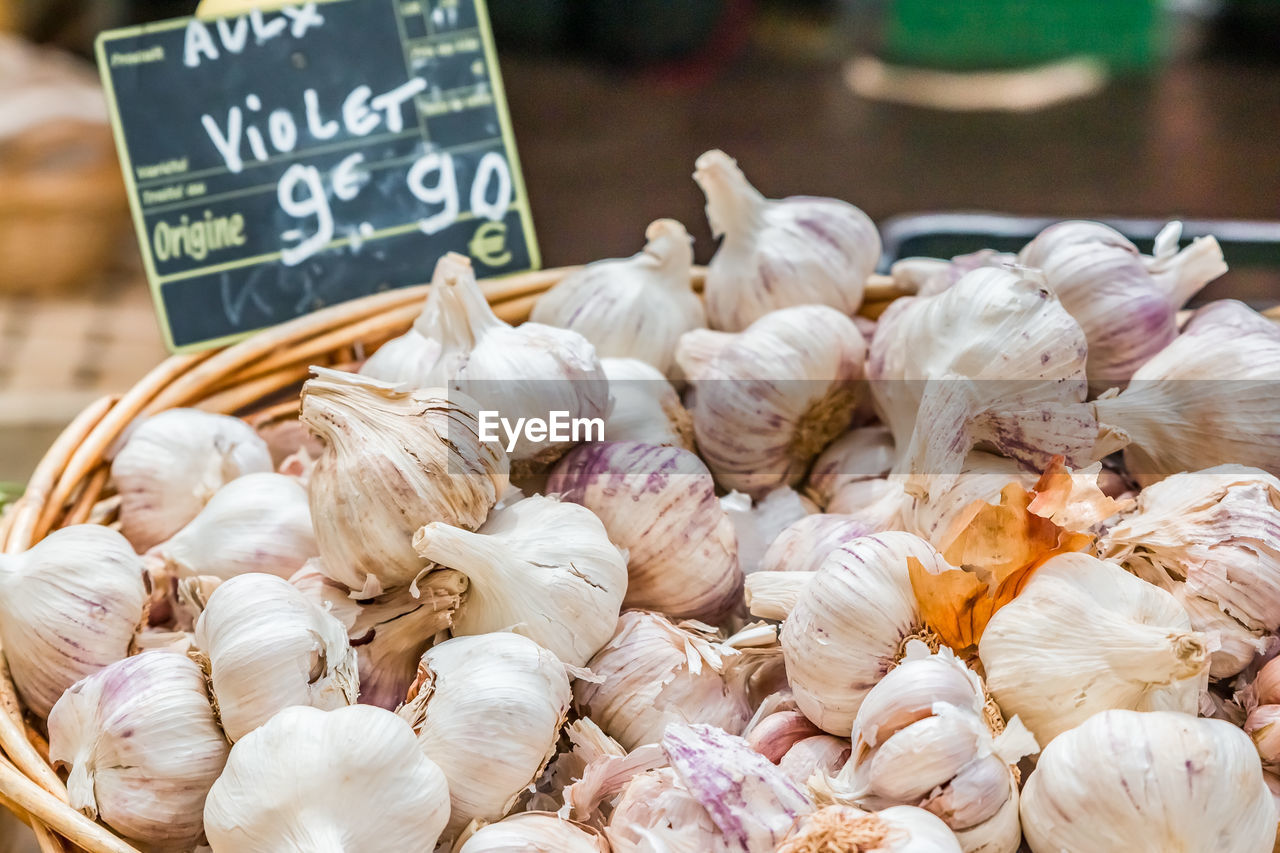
(1139, 109)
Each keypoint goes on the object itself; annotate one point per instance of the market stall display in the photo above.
(884, 566)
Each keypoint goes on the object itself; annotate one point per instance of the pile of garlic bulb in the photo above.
(969, 579)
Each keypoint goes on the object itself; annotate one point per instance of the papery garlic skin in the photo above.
(539, 567)
(268, 648)
(1125, 302)
(645, 406)
(757, 524)
(143, 748)
(1212, 538)
(878, 504)
(1130, 782)
(310, 780)
(817, 754)
(1007, 364)
(848, 625)
(659, 504)
(655, 673)
(255, 523)
(395, 460)
(69, 606)
(898, 829)
(635, 307)
(1206, 399)
(173, 462)
(537, 832)
(523, 371)
(488, 711)
(657, 812)
(773, 396)
(776, 254)
(865, 453)
(1086, 636)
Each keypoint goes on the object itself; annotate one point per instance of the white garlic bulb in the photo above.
(656, 812)
(1085, 636)
(539, 567)
(931, 276)
(659, 504)
(173, 462)
(394, 461)
(635, 307)
(1126, 303)
(849, 623)
(865, 453)
(773, 396)
(995, 359)
(1148, 783)
(645, 406)
(878, 504)
(311, 780)
(1211, 535)
(897, 829)
(524, 371)
(654, 673)
(255, 523)
(389, 633)
(803, 545)
(69, 606)
(143, 748)
(801, 250)
(757, 524)
(535, 832)
(1206, 399)
(267, 648)
(488, 710)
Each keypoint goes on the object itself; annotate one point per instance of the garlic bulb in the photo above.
(267, 647)
(525, 371)
(255, 523)
(898, 829)
(654, 673)
(757, 524)
(143, 748)
(772, 397)
(996, 359)
(656, 812)
(848, 625)
(924, 737)
(803, 546)
(878, 504)
(535, 832)
(1212, 538)
(645, 406)
(1261, 726)
(824, 754)
(1085, 636)
(312, 780)
(539, 567)
(1206, 399)
(69, 606)
(752, 802)
(1148, 783)
(931, 276)
(389, 633)
(865, 453)
(796, 251)
(635, 307)
(1124, 302)
(659, 504)
(395, 460)
(173, 462)
(488, 710)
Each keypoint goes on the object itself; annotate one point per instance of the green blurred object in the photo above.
(969, 35)
(9, 492)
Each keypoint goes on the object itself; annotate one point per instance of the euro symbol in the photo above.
(489, 244)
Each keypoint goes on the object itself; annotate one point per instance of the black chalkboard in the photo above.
(286, 160)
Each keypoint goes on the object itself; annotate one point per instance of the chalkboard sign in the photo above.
(285, 160)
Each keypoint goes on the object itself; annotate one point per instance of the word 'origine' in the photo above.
(558, 427)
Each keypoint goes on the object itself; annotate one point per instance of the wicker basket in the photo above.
(63, 209)
(258, 379)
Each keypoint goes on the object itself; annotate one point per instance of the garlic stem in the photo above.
(671, 251)
(735, 209)
(465, 313)
(773, 595)
(1186, 273)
